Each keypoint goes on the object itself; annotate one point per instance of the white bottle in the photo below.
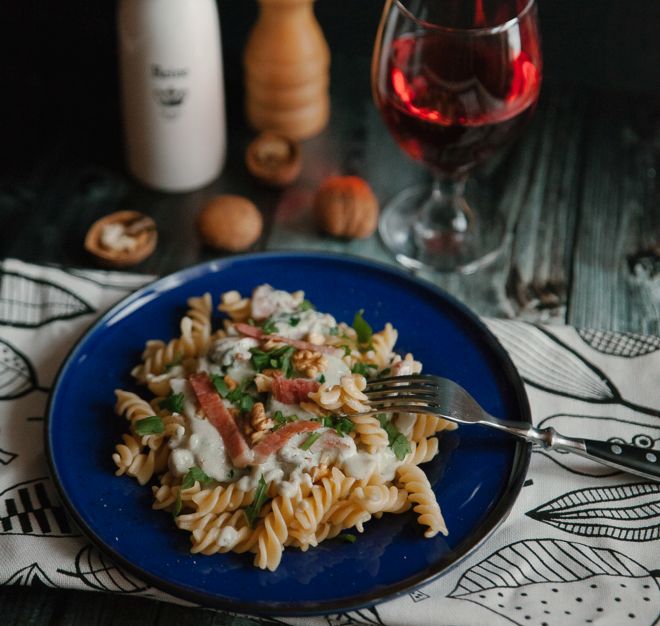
(172, 91)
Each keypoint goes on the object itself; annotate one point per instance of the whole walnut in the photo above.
(345, 206)
(230, 223)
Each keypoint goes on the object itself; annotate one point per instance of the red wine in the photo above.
(451, 102)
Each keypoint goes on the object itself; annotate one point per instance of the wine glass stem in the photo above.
(445, 218)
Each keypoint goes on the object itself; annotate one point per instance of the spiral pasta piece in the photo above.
(217, 533)
(426, 506)
(422, 451)
(348, 513)
(426, 425)
(346, 397)
(220, 499)
(199, 312)
(130, 461)
(383, 345)
(274, 532)
(156, 361)
(234, 305)
(311, 509)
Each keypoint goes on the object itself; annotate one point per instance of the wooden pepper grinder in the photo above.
(287, 64)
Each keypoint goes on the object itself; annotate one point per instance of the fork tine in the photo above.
(412, 393)
(395, 404)
(394, 382)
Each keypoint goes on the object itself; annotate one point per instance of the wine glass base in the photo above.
(465, 253)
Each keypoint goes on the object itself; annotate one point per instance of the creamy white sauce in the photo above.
(405, 422)
(335, 369)
(228, 537)
(288, 468)
(309, 321)
(288, 409)
(233, 355)
(200, 445)
(363, 464)
(181, 385)
(267, 301)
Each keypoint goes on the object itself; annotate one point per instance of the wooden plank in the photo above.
(28, 606)
(619, 223)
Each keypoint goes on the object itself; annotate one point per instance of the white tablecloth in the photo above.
(581, 546)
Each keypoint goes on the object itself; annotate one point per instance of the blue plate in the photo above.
(476, 476)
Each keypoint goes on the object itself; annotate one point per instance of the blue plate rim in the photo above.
(442, 566)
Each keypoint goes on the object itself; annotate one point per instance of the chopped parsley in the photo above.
(347, 537)
(173, 403)
(278, 358)
(321, 378)
(177, 505)
(309, 442)
(347, 349)
(280, 419)
(152, 425)
(260, 497)
(396, 439)
(220, 385)
(269, 327)
(294, 321)
(362, 368)
(237, 396)
(306, 305)
(195, 474)
(342, 425)
(362, 328)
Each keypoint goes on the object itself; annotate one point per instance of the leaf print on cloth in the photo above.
(114, 280)
(628, 345)
(17, 375)
(32, 508)
(644, 433)
(543, 581)
(27, 302)
(546, 362)
(362, 617)
(30, 576)
(97, 572)
(7, 457)
(624, 512)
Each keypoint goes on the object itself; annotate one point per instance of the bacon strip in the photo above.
(273, 442)
(249, 331)
(293, 390)
(303, 345)
(224, 422)
(257, 333)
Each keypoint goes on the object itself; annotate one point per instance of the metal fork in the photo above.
(447, 399)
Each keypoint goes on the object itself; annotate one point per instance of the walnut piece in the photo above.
(273, 159)
(230, 222)
(122, 239)
(345, 206)
(309, 363)
(259, 424)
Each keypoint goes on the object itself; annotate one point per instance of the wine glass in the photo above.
(454, 80)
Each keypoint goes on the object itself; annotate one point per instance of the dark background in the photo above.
(58, 72)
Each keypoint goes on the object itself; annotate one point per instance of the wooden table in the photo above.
(579, 192)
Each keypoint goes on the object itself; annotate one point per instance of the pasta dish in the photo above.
(252, 433)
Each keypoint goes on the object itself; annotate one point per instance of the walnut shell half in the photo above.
(122, 239)
(345, 206)
(273, 159)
